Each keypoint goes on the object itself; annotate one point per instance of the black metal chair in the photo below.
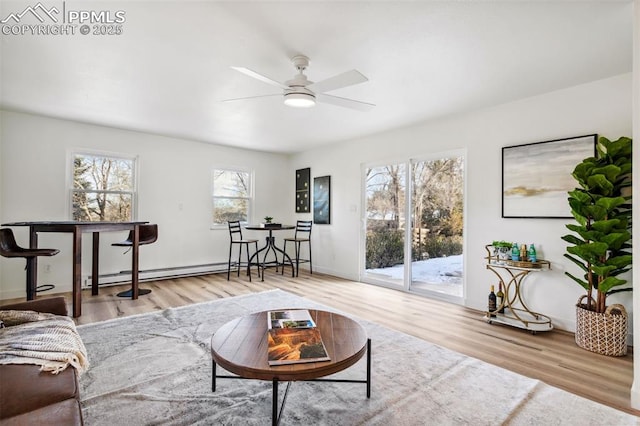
(9, 248)
(236, 239)
(302, 235)
(147, 234)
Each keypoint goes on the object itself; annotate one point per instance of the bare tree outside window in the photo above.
(232, 196)
(103, 188)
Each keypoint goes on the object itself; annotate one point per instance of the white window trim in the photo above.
(251, 198)
(98, 153)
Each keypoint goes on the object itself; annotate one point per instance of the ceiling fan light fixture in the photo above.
(299, 100)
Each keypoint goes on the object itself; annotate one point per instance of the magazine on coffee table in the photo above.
(294, 338)
(291, 318)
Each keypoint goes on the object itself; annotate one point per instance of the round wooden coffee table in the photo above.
(240, 347)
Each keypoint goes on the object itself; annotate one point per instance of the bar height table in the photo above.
(77, 229)
(270, 246)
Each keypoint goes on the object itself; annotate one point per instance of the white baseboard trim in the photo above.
(156, 274)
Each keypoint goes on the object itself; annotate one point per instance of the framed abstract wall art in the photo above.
(537, 176)
(322, 200)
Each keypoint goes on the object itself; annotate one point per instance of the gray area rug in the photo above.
(155, 369)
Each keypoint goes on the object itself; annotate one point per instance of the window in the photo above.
(232, 195)
(103, 188)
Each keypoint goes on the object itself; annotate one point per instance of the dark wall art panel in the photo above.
(322, 200)
(303, 181)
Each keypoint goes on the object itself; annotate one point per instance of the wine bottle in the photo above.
(533, 256)
(500, 299)
(492, 302)
(523, 252)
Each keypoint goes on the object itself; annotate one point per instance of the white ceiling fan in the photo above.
(302, 93)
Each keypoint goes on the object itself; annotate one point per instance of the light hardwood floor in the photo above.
(551, 357)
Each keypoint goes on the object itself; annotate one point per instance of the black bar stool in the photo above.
(9, 248)
(302, 235)
(148, 234)
(235, 233)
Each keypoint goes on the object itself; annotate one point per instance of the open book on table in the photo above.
(294, 338)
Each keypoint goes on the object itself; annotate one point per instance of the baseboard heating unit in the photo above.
(123, 277)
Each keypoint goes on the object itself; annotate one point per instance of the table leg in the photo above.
(77, 270)
(95, 259)
(134, 262)
(257, 256)
(274, 403)
(213, 375)
(284, 257)
(368, 368)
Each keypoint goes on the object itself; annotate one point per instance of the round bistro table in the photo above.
(240, 347)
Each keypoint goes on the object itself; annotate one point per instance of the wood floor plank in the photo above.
(551, 357)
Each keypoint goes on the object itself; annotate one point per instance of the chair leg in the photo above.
(239, 257)
(229, 264)
(298, 244)
(310, 262)
(248, 262)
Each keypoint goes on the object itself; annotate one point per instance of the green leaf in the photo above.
(609, 203)
(615, 239)
(577, 261)
(605, 226)
(572, 239)
(582, 283)
(580, 196)
(603, 271)
(608, 283)
(610, 171)
(620, 261)
(599, 184)
(594, 212)
(590, 252)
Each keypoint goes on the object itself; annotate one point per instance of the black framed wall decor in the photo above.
(322, 200)
(536, 177)
(303, 178)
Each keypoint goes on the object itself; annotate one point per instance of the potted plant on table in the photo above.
(600, 244)
(501, 250)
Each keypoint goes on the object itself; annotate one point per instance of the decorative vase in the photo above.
(603, 333)
(503, 255)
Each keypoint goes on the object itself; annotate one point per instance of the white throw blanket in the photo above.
(48, 340)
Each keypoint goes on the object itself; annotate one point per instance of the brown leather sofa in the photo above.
(29, 396)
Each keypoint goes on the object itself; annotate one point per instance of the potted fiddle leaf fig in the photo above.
(600, 244)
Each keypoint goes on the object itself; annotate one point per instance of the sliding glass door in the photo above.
(425, 253)
(385, 188)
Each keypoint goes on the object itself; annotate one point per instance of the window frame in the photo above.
(250, 198)
(104, 154)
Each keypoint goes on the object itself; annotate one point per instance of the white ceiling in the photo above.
(169, 70)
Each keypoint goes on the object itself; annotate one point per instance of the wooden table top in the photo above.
(240, 346)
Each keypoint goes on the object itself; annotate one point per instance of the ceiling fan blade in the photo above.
(344, 102)
(260, 77)
(251, 97)
(339, 81)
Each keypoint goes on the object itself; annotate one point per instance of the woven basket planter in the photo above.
(603, 333)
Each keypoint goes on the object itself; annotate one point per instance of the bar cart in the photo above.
(513, 311)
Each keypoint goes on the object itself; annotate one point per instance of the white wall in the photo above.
(172, 173)
(602, 107)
